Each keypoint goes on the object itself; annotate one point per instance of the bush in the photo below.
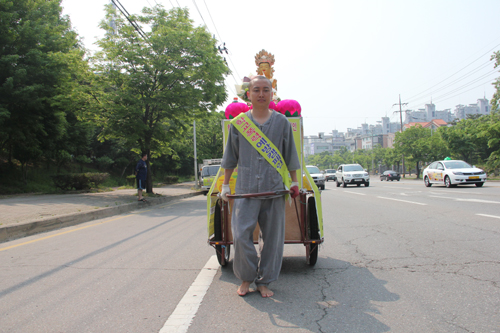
(131, 180)
(171, 179)
(103, 163)
(79, 181)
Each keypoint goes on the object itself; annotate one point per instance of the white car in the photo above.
(352, 174)
(317, 176)
(330, 174)
(452, 173)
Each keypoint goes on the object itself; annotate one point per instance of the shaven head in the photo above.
(259, 77)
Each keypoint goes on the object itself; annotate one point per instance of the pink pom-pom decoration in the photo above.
(289, 107)
(234, 109)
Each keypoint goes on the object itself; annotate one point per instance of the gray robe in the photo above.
(256, 175)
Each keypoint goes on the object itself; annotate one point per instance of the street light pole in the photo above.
(195, 157)
(401, 121)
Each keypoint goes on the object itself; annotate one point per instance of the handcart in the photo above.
(303, 217)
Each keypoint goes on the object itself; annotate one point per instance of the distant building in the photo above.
(388, 127)
(369, 136)
(482, 107)
(433, 124)
(427, 114)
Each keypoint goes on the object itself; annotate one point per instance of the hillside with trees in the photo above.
(64, 111)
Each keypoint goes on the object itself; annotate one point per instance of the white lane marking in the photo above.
(180, 320)
(400, 187)
(460, 192)
(467, 200)
(412, 202)
(486, 215)
(356, 193)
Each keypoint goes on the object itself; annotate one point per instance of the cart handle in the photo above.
(252, 195)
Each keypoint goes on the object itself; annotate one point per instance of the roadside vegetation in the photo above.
(65, 111)
(475, 140)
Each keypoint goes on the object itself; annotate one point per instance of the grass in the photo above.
(39, 181)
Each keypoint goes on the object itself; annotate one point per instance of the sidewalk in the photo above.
(25, 215)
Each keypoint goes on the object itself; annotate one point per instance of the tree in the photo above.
(38, 55)
(150, 89)
(463, 140)
(489, 130)
(414, 144)
(209, 136)
(495, 101)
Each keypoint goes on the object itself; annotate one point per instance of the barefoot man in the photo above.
(257, 175)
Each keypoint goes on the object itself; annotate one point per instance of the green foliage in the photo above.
(209, 136)
(153, 88)
(323, 160)
(79, 181)
(414, 143)
(37, 58)
(464, 142)
(104, 162)
(489, 130)
(495, 101)
(171, 179)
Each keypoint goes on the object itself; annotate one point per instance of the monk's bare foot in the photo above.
(244, 288)
(264, 291)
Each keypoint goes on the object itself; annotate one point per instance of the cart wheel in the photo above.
(222, 251)
(313, 229)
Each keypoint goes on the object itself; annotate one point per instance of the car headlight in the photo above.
(458, 173)
(366, 174)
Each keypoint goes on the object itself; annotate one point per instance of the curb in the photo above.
(9, 233)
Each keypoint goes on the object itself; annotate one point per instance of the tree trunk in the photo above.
(124, 169)
(149, 182)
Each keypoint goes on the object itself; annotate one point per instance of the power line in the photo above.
(200, 14)
(212, 20)
(410, 98)
(220, 49)
(465, 91)
(438, 98)
(126, 14)
(475, 70)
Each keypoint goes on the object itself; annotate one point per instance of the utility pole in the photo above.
(401, 129)
(373, 151)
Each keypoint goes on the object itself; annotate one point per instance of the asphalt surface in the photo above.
(24, 215)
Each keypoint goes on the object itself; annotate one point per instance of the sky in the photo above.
(346, 62)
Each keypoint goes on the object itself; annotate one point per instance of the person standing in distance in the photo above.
(141, 175)
(257, 175)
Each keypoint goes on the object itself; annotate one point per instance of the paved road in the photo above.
(397, 257)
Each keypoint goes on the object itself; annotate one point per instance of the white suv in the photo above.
(352, 174)
(317, 176)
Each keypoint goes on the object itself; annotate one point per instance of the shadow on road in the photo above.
(333, 296)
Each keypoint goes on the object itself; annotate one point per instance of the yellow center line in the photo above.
(61, 233)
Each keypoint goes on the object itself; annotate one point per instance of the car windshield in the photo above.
(353, 168)
(331, 171)
(457, 165)
(210, 170)
(313, 169)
